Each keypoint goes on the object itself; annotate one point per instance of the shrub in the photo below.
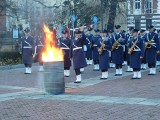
(10, 58)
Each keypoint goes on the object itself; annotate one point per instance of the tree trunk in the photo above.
(112, 14)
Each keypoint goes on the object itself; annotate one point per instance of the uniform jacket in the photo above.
(104, 57)
(118, 54)
(95, 42)
(77, 53)
(88, 44)
(65, 45)
(151, 52)
(135, 61)
(28, 49)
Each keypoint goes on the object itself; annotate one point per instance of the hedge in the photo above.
(10, 58)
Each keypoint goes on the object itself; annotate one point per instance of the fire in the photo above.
(51, 52)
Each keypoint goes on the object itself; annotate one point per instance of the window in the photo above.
(137, 4)
(148, 6)
(148, 23)
(137, 24)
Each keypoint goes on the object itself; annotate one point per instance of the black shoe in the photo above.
(103, 78)
(134, 78)
(151, 74)
(77, 82)
(118, 74)
(95, 69)
(66, 76)
(129, 71)
(143, 69)
(27, 73)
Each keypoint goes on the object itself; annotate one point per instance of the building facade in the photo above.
(142, 13)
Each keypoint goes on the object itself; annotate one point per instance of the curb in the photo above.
(8, 67)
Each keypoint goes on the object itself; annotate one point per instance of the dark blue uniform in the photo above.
(104, 57)
(39, 49)
(118, 54)
(88, 44)
(95, 42)
(28, 50)
(128, 39)
(135, 60)
(158, 55)
(65, 45)
(143, 66)
(151, 52)
(77, 52)
(110, 37)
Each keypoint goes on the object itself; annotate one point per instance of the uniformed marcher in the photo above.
(94, 44)
(104, 48)
(136, 52)
(158, 55)
(28, 50)
(143, 64)
(129, 36)
(110, 37)
(65, 45)
(152, 47)
(88, 44)
(39, 46)
(117, 50)
(77, 53)
(124, 49)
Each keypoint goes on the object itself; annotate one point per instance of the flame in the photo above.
(51, 53)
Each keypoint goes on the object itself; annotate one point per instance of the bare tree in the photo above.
(6, 6)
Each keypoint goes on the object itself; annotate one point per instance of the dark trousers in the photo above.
(89, 58)
(96, 62)
(28, 65)
(77, 71)
(136, 69)
(151, 65)
(118, 66)
(104, 70)
(66, 68)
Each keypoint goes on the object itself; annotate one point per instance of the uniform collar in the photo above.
(118, 33)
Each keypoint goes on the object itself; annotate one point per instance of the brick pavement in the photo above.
(118, 98)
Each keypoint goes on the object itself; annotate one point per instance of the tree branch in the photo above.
(43, 4)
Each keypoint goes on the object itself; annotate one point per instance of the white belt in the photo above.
(27, 47)
(64, 48)
(77, 48)
(136, 50)
(120, 45)
(95, 45)
(40, 45)
(153, 43)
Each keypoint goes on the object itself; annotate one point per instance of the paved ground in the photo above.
(22, 97)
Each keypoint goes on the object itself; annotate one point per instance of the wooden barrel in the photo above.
(54, 77)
